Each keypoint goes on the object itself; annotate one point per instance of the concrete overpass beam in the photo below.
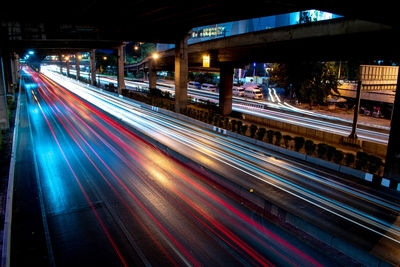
(392, 163)
(120, 73)
(181, 73)
(225, 88)
(93, 67)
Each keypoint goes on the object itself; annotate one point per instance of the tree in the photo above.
(312, 82)
(298, 143)
(309, 146)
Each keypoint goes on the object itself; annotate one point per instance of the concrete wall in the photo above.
(329, 138)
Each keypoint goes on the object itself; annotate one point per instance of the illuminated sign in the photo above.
(213, 31)
(206, 61)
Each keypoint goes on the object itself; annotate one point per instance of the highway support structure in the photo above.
(67, 66)
(152, 74)
(93, 67)
(120, 66)
(77, 67)
(181, 73)
(225, 88)
(392, 163)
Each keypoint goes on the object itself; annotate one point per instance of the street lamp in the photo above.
(156, 55)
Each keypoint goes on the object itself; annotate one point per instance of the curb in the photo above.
(6, 248)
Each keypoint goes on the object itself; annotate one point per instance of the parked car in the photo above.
(238, 91)
(253, 93)
(194, 85)
(209, 87)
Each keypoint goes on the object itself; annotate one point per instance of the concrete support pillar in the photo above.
(77, 66)
(392, 163)
(181, 73)
(152, 75)
(3, 97)
(120, 65)
(93, 67)
(60, 62)
(145, 75)
(67, 66)
(225, 88)
(353, 133)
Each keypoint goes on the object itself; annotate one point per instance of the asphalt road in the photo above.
(111, 197)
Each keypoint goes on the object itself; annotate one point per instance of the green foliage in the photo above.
(233, 123)
(309, 147)
(226, 122)
(330, 152)
(349, 159)
(338, 156)
(253, 130)
(239, 127)
(270, 136)
(298, 143)
(374, 163)
(287, 139)
(361, 160)
(321, 150)
(260, 133)
(311, 81)
(243, 129)
(278, 137)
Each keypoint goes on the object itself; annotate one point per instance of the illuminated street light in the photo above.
(104, 58)
(156, 56)
(80, 57)
(66, 58)
(31, 52)
(136, 47)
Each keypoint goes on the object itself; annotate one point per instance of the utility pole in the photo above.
(353, 133)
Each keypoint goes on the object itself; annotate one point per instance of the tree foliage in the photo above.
(311, 82)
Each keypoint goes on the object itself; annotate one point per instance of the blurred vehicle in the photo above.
(365, 111)
(253, 93)
(238, 91)
(194, 85)
(377, 112)
(209, 87)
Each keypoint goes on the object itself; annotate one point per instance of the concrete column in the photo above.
(152, 75)
(145, 76)
(67, 66)
(392, 163)
(60, 62)
(78, 69)
(3, 98)
(120, 65)
(353, 133)
(181, 73)
(225, 88)
(93, 67)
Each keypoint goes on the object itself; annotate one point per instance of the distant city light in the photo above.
(31, 52)
(156, 55)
